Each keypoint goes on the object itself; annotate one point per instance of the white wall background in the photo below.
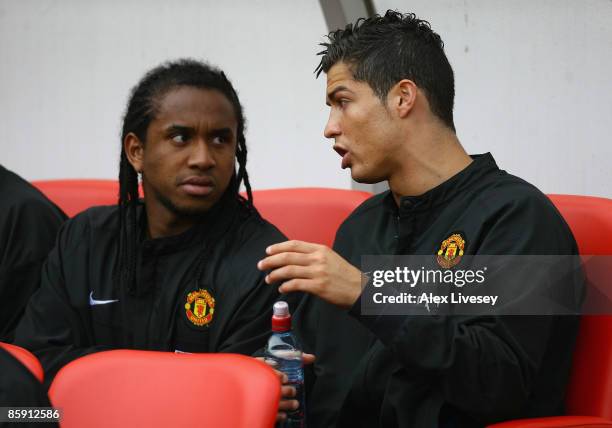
(533, 85)
(532, 76)
(66, 68)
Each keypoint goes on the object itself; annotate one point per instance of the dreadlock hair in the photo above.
(142, 108)
(382, 50)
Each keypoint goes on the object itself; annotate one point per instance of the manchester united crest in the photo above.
(200, 307)
(451, 251)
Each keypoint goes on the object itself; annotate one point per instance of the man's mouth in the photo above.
(197, 185)
(346, 156)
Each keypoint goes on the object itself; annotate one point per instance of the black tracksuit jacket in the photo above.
(28, 226)
(80, 307)
(447, 371)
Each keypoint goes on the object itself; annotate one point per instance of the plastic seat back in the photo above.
(128, 388)
(308, 214)
(26, 358)
(590, 388)
(74, 196)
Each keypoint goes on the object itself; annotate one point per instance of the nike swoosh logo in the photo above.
(93, 302)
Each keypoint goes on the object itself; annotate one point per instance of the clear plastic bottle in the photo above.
(284, 353)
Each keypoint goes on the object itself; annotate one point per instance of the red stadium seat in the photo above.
(26, 358)
(128, 388)
(308, 214)
(590, 219)
(74, 196)
(589, 395)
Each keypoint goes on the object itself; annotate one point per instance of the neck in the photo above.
(432, 158)
(164, 224)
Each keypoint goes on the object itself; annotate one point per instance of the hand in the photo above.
(287, 392)
(314, 269)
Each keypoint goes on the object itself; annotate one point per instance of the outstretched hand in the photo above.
(314, 269)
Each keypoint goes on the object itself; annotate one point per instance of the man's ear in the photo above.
(403, 96)
(134, 150)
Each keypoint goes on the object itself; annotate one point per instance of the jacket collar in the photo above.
(482, 165)
(204, 232)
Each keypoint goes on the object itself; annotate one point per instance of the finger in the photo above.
(281, 416)
(284, 259)
(281, 376)
(288, 392)
(305, 285)
(308, 358)
(293, 246)
(288, 405)
(289, 272)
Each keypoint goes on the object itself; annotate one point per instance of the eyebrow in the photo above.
(333, 93)
(179, 128)
(225, 131)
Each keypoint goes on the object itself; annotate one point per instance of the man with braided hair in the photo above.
(175, 271)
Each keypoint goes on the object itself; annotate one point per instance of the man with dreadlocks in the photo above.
(390, 89)
(176, 271)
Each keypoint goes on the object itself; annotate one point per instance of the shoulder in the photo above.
(22, 201)
(368, 209)
(255, 233)
(509, 194)
(29, 222)
(364, 215)
(242, 247)
(371, 204)
(97, 217)
(512, 210)
(96, 223)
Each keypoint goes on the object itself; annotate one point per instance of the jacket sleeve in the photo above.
(249, 327)
(29, 233)
(486, 365)
(52, 327)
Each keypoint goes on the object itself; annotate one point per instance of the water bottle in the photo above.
(284, 353)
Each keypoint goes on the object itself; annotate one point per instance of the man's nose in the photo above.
(332, 128)
(201, 156)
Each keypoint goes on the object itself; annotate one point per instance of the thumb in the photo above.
(308, 358)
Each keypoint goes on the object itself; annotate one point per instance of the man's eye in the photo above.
(219, 139)
(179, 138)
